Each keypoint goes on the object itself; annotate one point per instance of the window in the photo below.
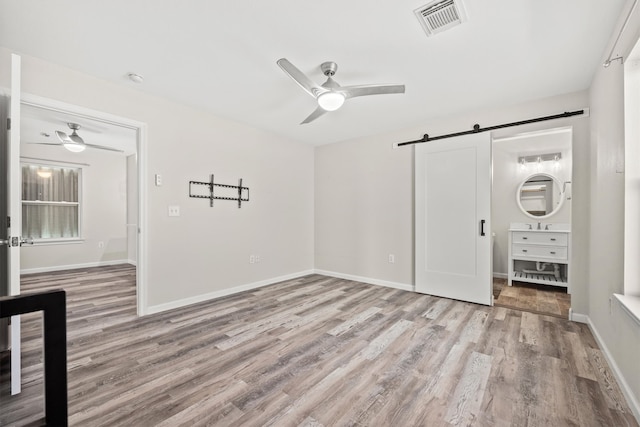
(50, 202)
(632, 172)
(631, 298)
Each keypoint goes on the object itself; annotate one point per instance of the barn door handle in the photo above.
(482, 221)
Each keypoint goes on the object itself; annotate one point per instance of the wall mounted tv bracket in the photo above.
(243, 192)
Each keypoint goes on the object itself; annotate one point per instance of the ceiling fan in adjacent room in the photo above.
(74, 142)
(330, 95)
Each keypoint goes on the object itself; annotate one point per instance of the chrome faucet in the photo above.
(546, 227)
(539, 226)
(530, 227)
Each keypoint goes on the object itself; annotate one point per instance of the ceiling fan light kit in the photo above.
(331, 101)
(75, 143)
(72, 142)
(74, 147)
(330, 95)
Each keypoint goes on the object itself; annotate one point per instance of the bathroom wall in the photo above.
(508, 174)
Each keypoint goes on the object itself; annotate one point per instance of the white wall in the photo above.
(103, 203)
(618, 332)
(205, 250)
(364, 209)
(507, 177)
(364, 193)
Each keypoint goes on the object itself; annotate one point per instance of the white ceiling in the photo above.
(221, 56)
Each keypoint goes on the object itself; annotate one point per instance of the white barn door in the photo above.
(453, 218)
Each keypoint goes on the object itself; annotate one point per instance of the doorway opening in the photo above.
(107, 192)
(531, 221)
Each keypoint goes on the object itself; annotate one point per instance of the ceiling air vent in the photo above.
(440, 15)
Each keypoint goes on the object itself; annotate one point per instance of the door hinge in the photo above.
(8, 123)
(8, 222)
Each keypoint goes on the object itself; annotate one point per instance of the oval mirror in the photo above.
(540, 195)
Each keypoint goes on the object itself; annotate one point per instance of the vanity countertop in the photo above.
(552, 228)
(540, 231)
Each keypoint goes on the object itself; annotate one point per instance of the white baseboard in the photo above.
(578, 317)
(632, 401)
(500, 275)
(132, 262)
(222, 293)
(73, 266)
(395, 285)
(249, 286)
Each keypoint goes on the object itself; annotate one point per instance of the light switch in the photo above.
(174, 210)
(158, 180)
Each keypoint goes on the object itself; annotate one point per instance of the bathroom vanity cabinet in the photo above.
(539, 256)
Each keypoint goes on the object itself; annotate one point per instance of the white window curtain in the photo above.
(50, 202)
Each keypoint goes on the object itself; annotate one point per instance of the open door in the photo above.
(11, 216)
(453, 218)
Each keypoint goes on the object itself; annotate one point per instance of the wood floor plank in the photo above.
(464, 407)
(439, 306)
(530, 329)
(312, 351)
(359, 318)
(611, 389)
(579, 357)
(474, 328)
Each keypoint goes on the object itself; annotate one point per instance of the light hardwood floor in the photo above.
(313, 351)
(539, 299)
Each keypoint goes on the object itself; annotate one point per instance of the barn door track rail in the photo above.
(242, 191)
(478, 129)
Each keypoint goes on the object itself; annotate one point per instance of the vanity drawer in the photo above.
(540, 251)
(540, 238)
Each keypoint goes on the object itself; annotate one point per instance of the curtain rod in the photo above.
(478, 129)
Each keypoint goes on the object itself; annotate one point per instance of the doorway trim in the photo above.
(141, 146)
(536, 131)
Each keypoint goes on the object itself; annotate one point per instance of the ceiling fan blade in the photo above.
(317, 113)
(63, 137)
(299, 77)
(44, 143)
(102, 147)
(76, 138)
(365, 90)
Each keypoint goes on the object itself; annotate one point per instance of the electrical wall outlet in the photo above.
(158, 180)
(252, 259)
(174, 210)
(257, 258)
(392, 259)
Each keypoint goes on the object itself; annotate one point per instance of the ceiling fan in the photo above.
(330, 95)
(74, 142)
